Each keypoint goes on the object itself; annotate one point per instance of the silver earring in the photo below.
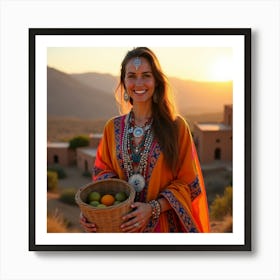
(126, 96)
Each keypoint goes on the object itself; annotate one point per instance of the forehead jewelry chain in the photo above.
(137, 62)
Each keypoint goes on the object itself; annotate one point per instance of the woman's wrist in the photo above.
(164, 204)
(156, 209)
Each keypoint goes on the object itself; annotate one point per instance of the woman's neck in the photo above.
(142, 114)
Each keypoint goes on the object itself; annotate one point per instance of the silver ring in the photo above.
(136, 225)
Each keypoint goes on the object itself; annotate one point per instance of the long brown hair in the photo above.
(163, 106)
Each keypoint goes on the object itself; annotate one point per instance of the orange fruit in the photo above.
(107, 199)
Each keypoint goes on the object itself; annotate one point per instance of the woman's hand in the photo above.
(86, 225)
(138, 218)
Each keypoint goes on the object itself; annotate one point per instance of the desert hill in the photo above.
(91, 95)
(196, 97)
(67, 97)
(104, 82)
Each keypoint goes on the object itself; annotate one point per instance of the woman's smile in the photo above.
(140, 91)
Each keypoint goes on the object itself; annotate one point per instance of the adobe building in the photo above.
(94, 139)
(85, 159)
(86, 155)
(59, 153)
(214, 140)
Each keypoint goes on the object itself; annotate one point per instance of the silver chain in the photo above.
(144, 156)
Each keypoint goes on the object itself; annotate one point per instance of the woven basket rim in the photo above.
(107, 219)
(79, 201)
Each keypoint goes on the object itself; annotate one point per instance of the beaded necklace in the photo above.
(136, 130)
(135, 157)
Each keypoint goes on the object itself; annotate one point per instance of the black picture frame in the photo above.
(34, 34)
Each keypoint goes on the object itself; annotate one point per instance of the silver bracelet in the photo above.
(155, 209)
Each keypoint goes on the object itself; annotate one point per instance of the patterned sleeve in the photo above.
(186, 194)
(103, 167)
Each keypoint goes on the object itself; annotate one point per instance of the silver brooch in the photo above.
(137, 181)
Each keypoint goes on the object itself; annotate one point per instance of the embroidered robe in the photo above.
(184, 191)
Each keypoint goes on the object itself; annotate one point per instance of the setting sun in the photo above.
(221, 69)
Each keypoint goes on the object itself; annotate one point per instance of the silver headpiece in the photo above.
(137, 62)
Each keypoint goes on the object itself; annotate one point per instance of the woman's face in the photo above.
(139, 80)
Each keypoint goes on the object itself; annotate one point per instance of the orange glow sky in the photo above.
(189, 63)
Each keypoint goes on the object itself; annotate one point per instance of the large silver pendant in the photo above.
(137, 181)
(138, 131)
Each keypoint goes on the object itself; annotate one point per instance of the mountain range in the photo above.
(91, 95)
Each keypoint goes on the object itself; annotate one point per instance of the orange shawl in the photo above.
(185, 192)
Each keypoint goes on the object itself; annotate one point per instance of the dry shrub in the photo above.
(68, 196)
(222, 205)
(52, 181)
(227, 226)
(56, 223)
(222, 226)
(61, 174)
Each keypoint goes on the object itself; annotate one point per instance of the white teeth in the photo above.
(140, 91)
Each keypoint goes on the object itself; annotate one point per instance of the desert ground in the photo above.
(215, 179)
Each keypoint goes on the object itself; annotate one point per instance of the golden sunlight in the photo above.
(221, 69)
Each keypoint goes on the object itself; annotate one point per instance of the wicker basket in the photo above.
(106, 219)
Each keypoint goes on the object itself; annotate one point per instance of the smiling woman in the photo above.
(151, 147)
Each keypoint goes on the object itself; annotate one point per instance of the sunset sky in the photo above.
(189, 63)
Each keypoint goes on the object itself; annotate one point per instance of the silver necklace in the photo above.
(136, 177)
(138, 131)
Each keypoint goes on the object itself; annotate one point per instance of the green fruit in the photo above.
(101, 205)
(116, 202)
(94, 196)
(94, 203)
(120, 196)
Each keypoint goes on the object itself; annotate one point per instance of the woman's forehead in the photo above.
(137, 64)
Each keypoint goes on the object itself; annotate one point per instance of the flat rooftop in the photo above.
(95, 135)
(58, 145)
(88, 151)
(213, 127)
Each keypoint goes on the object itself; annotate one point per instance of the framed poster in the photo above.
(72, 76)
